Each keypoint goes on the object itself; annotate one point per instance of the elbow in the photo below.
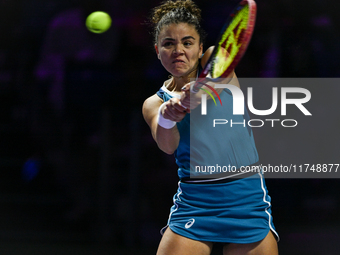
(167, 149)
(167, 141)
(169, 152)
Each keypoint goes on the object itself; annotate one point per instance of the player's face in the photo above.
(179, 48)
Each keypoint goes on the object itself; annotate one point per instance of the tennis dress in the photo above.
(232, 211)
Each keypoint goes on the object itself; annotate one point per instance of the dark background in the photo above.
(79, 170)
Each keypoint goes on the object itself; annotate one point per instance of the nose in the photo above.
(178, 50)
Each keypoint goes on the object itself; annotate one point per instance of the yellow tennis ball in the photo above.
(98, 22)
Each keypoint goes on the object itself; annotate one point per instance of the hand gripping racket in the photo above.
(231, 44)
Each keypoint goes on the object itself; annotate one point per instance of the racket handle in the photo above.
(196, 87)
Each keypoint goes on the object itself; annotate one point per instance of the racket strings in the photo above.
(230, 42)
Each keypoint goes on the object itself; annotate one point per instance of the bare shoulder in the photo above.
(150, 102)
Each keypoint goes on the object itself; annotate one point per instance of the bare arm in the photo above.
(166, 139)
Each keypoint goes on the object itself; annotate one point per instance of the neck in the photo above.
(179, 81)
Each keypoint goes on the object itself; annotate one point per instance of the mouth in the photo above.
(178, 61)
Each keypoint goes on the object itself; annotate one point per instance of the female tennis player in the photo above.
(234, 212)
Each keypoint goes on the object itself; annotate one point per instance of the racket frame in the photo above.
(245, 42)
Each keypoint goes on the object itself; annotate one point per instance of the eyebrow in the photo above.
(183, 39)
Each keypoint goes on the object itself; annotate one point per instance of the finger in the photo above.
(185, 104)
(181, 107)
(173, 114)
(185, 88)
(188, 86)
(185, 99)
(177, 104)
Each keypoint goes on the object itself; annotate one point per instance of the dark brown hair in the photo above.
(175, 12)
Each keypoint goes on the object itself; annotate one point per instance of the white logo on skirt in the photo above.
(190, 223)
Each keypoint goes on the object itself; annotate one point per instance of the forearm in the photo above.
(162, 119)
(167, 139)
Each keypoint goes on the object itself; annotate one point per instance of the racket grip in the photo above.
(194, 88)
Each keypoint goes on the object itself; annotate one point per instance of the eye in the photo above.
(187, 44)
(167, 44)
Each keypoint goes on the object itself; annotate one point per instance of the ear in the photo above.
(157, 51)
(201, 50)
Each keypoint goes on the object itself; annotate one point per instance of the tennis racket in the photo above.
(231, 45)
